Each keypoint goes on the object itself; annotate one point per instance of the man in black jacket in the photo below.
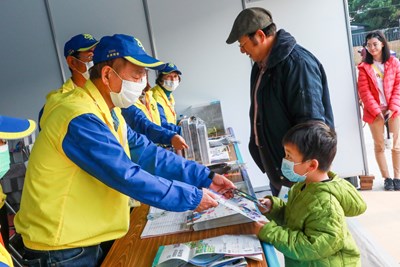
(288, 86)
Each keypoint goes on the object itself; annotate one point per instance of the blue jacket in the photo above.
(138, 121)
(165, 123)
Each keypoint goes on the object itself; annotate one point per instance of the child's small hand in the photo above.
(267, 205)
(258, 226)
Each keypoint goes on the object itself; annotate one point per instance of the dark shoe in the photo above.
(396, 183)
(388, 184)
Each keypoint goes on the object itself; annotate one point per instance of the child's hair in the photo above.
(314, 140)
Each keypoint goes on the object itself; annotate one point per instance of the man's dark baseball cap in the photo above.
(249, 21)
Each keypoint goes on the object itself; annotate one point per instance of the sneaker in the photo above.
(396, 183)
(388, 184)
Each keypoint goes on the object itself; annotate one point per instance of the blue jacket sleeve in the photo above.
(138, 121)
(162, 162)
(165, 124)
(90, 144)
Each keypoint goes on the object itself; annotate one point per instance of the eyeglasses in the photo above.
(373, 45)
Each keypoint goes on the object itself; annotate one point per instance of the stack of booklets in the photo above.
(162, 222)
(225, 250)
(231, 211)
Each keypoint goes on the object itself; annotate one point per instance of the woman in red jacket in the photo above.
(379, 90)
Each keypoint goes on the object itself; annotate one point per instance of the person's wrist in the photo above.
(211, 175)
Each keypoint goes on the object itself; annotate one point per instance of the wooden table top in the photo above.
(131, 250)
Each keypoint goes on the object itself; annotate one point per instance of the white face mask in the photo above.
(170, 85)
(88, 65)
(129, 94)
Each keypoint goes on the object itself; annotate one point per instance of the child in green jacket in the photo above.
(310, 229)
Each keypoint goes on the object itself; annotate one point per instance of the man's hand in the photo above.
(207, 201)
(221, 184)
(178, 142)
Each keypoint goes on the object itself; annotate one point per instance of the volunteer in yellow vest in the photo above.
(148, 105)
(78, 52)
(10, 128)
(167, 81)
(144, 117)
(86, 163)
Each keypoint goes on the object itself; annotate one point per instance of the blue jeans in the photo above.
(83, 256)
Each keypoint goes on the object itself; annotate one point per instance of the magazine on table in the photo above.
(239, 209)
(209, 252)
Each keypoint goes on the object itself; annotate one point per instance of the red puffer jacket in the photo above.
(368, 88)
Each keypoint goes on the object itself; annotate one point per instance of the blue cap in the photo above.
(15, 128)
(81, 42)
(170, 68)
(128, 47)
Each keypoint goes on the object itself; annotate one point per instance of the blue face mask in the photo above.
(4, 160)
(287, 169)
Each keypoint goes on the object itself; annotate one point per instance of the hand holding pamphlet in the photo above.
(230, 211)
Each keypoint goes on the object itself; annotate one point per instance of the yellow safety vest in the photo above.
(63, 206)
(167, 104)
(5, 257)
(150, 109)
(68, 86)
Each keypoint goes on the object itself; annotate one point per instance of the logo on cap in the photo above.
(139, 43)
(112, 53)
(88, 36)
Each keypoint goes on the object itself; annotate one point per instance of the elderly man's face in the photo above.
(126, 71)
(256, 46)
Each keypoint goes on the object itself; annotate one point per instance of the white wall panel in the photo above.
(99, 18)
(29, 66)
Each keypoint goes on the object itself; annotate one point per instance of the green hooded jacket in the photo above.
(310, 229)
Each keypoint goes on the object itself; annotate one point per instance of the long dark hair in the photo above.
(385, 50)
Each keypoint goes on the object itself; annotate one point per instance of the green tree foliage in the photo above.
(377, 14)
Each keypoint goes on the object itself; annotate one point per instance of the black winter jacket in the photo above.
(293, 89)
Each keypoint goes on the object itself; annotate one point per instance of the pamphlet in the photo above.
(162, 222)
(239, 209)
(231, 211)
(219, 154)
(209, 252)
(228, 261)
